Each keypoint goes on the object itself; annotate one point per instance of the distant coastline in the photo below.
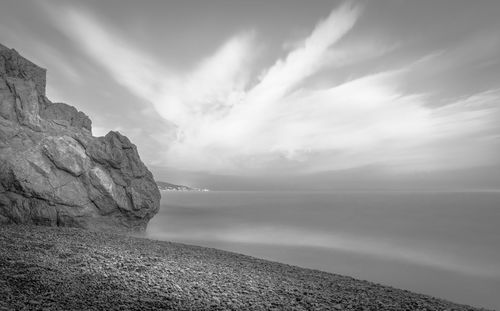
(166, 186)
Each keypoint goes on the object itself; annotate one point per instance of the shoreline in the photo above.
(55, 268)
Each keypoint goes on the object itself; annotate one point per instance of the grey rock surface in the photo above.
(54, 172)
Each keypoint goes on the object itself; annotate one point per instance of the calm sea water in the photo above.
(445, 244)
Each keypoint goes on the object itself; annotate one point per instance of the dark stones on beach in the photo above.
(73, 269)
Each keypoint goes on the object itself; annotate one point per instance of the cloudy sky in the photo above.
(218, 93)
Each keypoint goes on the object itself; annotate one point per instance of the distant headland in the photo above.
(166, 186)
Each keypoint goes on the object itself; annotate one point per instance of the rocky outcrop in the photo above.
(14, 65)
(54, 172)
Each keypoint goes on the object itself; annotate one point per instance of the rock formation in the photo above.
(54, 172)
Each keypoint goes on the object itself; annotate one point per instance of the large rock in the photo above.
(54, 172)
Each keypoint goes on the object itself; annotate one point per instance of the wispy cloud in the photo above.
(230, 120)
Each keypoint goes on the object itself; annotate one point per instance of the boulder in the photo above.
(54, 172)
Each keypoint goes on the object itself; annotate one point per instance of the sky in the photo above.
(280, 94)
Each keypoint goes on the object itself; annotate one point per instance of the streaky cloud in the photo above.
(229, 121)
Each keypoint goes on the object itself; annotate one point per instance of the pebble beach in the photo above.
(47, 268)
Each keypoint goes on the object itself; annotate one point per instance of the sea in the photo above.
(441, 243)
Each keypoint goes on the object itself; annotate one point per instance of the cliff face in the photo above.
(53, 171)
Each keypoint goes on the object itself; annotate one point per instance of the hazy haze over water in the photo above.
(444, 244)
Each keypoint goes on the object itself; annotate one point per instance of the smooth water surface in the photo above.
(445, 244)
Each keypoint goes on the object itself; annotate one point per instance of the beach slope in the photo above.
(45, 268)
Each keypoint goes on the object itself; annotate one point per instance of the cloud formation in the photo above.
(231, 120)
